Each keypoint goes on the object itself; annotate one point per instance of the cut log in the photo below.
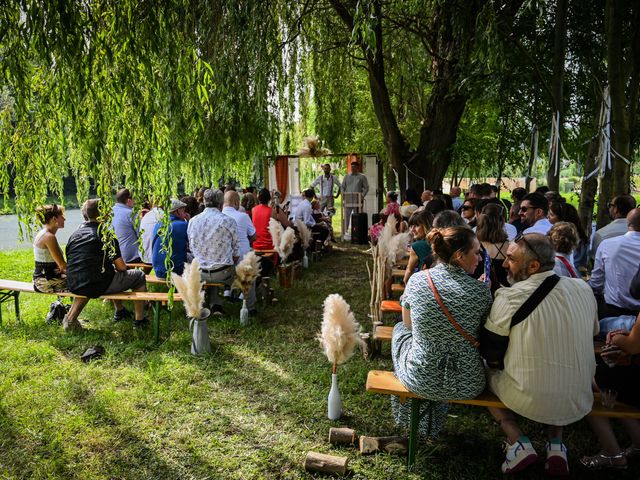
(319, 462)
(396, 445)
(342, 436)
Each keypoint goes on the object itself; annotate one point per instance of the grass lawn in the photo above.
(251, 410)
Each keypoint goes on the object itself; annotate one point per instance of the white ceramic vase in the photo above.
(244, 313)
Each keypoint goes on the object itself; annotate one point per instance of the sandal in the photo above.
(601, 461)
(631, 453)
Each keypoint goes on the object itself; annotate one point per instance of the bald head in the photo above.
(633, 219)
(232, 199)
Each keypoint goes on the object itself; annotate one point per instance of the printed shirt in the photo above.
(213, 239)
(549, 363)
(326, 184)
(125, 232)
(616, 263)
(244, 228)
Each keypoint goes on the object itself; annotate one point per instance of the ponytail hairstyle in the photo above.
(45, 213)
(446, 242)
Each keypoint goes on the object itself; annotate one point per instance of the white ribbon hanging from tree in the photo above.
(603, 160)
(406, 173)
(555, 145)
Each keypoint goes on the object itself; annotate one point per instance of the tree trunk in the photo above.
(590, 186)
(557, 80)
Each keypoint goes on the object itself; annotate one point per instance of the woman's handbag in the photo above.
(493, 346)
(466, 335)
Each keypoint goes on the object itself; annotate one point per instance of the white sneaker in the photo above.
(519, 456)
(556, 463)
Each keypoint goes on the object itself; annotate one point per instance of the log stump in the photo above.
(319, 462)
(342, 436)
(395, 445)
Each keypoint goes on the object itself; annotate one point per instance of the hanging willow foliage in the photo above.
(142, 94)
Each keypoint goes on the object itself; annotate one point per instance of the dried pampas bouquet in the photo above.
(246, 272)
(287, 241)
(304, 232)
(312, 148)
(340, 332)
(189, 285)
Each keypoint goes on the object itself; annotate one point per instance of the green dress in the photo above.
(432, 359)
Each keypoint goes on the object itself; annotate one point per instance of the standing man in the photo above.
(353, 183)
(327, 182)
(549, 361)
(123, 226)
(533, 213)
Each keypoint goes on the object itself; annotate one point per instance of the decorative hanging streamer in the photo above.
(603, 160)
(424, 182)
(534, 148)
(554, 141)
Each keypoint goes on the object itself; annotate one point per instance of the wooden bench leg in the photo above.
(5, 296)
(413, 432)
(156, 320)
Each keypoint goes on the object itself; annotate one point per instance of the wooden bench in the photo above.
(145, 267)
(398, 272)
(386, 383)
(163, 281)
(397, 288)
(381, 333)
(12, 289)
(390, 306)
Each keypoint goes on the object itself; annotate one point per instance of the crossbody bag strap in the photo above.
(534, 300)
(466, 335)
(566, 263)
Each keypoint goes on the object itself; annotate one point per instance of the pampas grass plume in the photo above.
(305, 233)
(276, 231)
(246, 272)
(189, 285)
(340, 332)
(287, 242)
(398, 246)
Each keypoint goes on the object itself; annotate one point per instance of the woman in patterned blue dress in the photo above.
(430, 357)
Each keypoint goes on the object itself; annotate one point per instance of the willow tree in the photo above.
(146, 94)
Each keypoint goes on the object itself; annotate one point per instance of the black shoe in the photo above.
(217, 310)
(253, 313)
(141, 323)
(123, 314)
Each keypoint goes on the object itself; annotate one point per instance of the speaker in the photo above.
(375, 218)
(359, 228)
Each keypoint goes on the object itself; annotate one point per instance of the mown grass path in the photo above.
(250, 410)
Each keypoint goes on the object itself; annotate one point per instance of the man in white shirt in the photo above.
(549, 362)
(304, 212)
(454, 193)
(619, 208)
(533, 213)
(616, 263)
(326, 182)
(147, 226)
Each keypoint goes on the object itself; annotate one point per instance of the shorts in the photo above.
(129, 279)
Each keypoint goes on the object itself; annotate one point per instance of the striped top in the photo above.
(549, 364)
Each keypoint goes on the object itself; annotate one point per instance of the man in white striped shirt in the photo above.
(549, 363)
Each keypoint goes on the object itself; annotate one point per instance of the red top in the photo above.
(260, 216)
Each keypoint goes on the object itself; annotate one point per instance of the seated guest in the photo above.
(177, 235)
(247, 203)
(420, 250)
(634, 289)
(508, 229)
(480, 191)
(435, 206)
(260, 215)
(392, 204)
(411, 197)
(192, 208)
(493, 237)
(432, 358)
(376, 229)
(49, 275)
(122, 222)
(456, 201)
(147, 227)
(426, 196)
(549, 361)
(468, 212)
(617, 260)
(517, 195)
(93, 270)
(564, 238)
(448, 218)
(321, 218)
(561, 211)
(533, 213)
(623, 378)
(304, 212)
(619, 208)
(213, 240)
(278, 212)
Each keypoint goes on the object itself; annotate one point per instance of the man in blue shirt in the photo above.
(179, 242)
(123, 226)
